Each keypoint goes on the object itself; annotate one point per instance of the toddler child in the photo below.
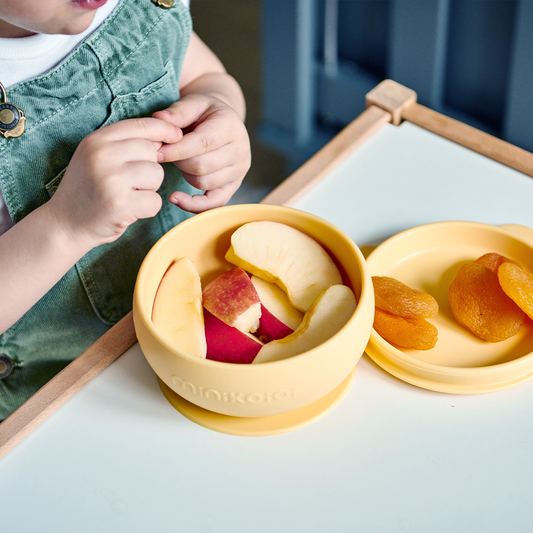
(130, 124)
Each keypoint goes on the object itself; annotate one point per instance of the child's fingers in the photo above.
(204, 166)
(134, 149)
(203, 202)
(145, 204)
(208, 136)
(212, 181)
(210, 124)
(145, 175)
(148, 128)
(185, 112)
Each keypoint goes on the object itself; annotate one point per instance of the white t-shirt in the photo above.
(27, 57)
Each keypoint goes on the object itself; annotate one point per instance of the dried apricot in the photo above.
(479, 303)
(493, 260)
(517, 283)
(398, 299)
(415, 333)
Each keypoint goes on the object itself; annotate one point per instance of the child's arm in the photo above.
(214, 154)
(113, 177)
(110, 183)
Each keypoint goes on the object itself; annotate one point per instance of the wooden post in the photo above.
(391, 97)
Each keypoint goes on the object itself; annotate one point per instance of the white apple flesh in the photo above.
(177, 312)
(228, 344)
(328, 314)
(275, 300)
(232, 298)
(285, 256)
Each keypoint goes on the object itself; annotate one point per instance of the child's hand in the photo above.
(112, 180)
(214, 154)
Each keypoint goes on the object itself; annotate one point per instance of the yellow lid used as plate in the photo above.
(427, 258)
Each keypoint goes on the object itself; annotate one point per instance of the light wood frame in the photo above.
(389, 102)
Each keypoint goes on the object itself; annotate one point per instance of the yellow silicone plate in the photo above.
(427, 258)
(263, 426)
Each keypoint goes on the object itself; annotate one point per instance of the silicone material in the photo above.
(265, 389)
(262, 426)
(427, 258)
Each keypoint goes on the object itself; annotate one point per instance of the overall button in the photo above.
(12, 119)
(6, 366)
(165, 4)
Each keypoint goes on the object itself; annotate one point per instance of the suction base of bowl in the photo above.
(261, 426)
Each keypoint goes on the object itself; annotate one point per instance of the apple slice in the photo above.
(277, 302)
(270, 328)
(228, 344)
(328, 314)
(177, 311)
(278, 317)
(285, 256)
(233, 299)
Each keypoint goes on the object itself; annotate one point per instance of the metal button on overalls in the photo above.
(6, 366)
(165, 4)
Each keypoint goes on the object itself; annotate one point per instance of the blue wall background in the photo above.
(469, 59)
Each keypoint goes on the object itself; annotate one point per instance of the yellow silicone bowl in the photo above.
(251, 390)
(427, 258)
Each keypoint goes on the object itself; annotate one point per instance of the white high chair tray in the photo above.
(390, 457)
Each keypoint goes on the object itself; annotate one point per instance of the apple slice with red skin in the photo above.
(277, 302)
(278, 317)
(232, 298)
(228, 344)
(328, 314)
(270, 328)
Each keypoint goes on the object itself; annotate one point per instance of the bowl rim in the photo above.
(141, 313)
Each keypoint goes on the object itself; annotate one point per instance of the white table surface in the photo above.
(390, 458)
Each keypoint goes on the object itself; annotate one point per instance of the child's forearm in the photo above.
(111, 182)
(34, 255)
